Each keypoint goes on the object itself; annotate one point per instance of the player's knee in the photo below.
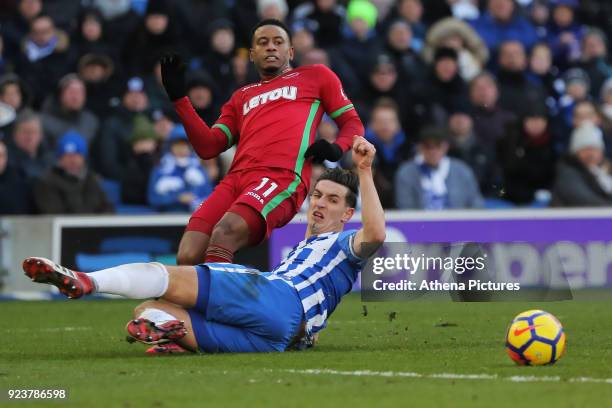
(230, 231)
(189, 256)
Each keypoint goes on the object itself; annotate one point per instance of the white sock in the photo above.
(157, 316)
(134, 281)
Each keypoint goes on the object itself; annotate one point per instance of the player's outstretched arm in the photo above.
(207, 143)
(372, 216)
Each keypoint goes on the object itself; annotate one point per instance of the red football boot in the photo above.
(167, 348)
(145, 331)
(70, 283)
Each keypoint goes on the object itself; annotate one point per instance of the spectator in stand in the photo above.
(16, 28)
(445, 88)
(464, 9)
(539, 14)
(141, 160)
(164, 120)
(434, 181)
(242, 15)
(179, 183)
(14, 190)
(383, 82)
(480, 157)
(102, 87)
(4, 63)
(384, 131)
(88, 37)
(594, 59)
(158, 99)
(119, 21)
(453, 33)
(513, 81)
(565, 33)
(276, 9)
(190, 18)
(360, 41)
(410, 11)
(155, 34)
(67, 111)
(324, 18)
(527, 157)
(218, 59)
(14, 99)
(584, 176)
(606, 106)
(586, 112)
(112, 146)
(45, 57)
(331, 59)
(576, 89)
(28, 152)
(303, 41)
(13, 92)
(202, 93)
(596, 13)
(70, 187)
(490, 120)
(408, 62)
(501, 23)
(543, 73)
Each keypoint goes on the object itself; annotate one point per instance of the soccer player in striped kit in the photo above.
(273, 124)
(222, 307)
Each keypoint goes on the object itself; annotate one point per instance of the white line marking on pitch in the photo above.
(446, 376)
(47, 329)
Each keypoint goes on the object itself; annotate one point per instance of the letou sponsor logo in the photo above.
(285, 92)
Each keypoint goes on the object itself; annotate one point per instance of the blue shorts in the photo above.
(243, 310)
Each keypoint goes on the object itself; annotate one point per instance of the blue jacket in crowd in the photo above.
(176, 176)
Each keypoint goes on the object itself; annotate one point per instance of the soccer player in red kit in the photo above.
(273, 124)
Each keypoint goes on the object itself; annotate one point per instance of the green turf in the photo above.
(80, 345)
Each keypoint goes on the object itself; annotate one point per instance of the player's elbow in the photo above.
(380, 237)
(204, 154)
(377, 236)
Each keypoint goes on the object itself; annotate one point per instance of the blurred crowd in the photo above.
(470, 104)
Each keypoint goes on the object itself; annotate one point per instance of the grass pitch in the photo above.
(417, 354)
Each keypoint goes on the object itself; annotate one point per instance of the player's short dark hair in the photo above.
(348, 179)
(274, 22)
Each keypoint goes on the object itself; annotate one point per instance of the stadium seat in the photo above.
(92, 262)
(166, 259)
(497, 204)
(136, 244)
(134, 209)
(113, 191)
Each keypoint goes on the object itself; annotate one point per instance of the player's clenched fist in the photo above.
(173, 75)
(363, 153)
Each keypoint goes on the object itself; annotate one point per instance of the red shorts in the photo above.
(276, 194)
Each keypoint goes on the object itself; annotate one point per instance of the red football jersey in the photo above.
(273, 122)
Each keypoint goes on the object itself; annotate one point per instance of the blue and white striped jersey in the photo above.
(322, 269)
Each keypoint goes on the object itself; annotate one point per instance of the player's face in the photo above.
(328, 210)
(271, 51)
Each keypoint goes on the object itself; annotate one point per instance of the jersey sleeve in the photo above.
(339, 107)
(345, 240)
(334, 100)
(228, 122)
(207, 142)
